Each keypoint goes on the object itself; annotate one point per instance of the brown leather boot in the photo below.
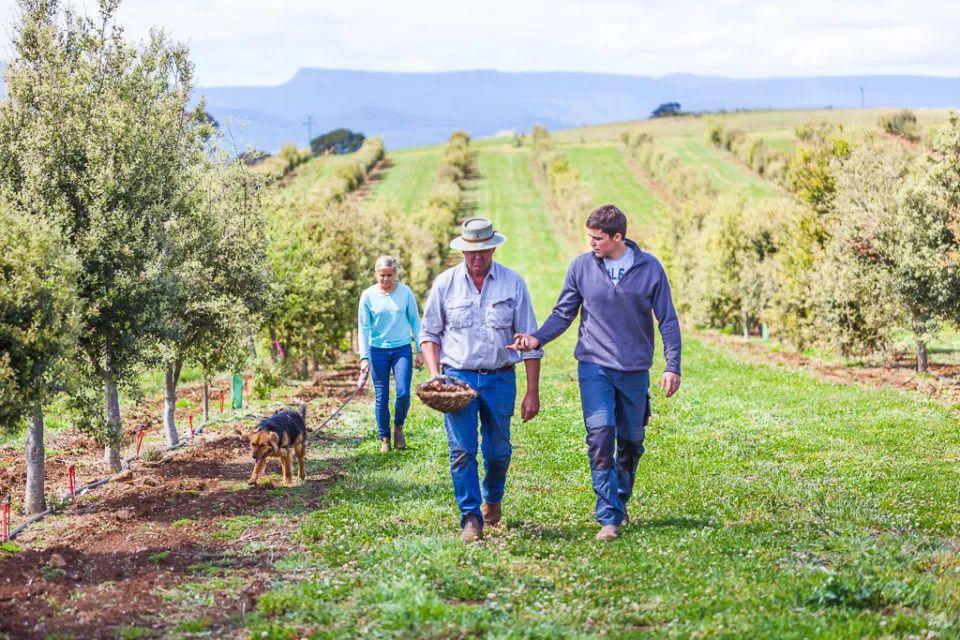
(491, 513)
(398, 440)
(608, 532)
(472, 529)
(384, 445)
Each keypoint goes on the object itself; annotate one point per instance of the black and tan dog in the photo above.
(281, 435)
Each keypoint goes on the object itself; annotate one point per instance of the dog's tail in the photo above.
(302, 410)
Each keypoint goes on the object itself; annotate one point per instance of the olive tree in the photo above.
(37, 330)
(217, 262)
(93, 136)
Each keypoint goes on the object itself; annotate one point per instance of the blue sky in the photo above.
(254, 42)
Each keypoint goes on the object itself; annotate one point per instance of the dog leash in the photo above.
(362, 380)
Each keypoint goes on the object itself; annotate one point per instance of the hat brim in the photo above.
(462, 245)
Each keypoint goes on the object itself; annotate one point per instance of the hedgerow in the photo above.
(567, 192)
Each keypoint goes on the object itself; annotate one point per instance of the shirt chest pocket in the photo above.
(459, 313)
(500, 313)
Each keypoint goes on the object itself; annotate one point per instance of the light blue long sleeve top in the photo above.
(473, 327)
(387, 320)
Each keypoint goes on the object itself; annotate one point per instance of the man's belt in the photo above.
(482, 372)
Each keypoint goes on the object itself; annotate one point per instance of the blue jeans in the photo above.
(382, 361)
(492, 409)
(616, 409)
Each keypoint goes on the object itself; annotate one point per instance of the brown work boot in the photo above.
(398, 441)
(472, 529)
(608, 532)
(491, 513)
(384, 445)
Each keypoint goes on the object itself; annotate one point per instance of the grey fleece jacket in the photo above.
(616, 321)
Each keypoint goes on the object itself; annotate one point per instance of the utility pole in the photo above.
(309, 123)
(862, 101)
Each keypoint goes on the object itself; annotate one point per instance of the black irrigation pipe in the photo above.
(67, 499)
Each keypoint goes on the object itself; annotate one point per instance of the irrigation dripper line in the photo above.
(67, 499)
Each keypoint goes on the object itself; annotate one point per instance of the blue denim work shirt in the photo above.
(473, 327)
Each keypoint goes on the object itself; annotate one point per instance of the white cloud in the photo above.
(251, 42)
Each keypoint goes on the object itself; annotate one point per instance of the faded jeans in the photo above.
(382, 362)
(616, 409)
(491, 410)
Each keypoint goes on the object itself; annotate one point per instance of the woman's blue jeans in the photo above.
(382, 362)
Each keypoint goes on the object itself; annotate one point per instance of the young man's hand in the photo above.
(669, 382)
(523, 342)
(418, 360)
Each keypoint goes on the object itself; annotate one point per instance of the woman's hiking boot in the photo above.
(491, 513)
(608, 532)
(472, 529)
(384, 445)
(398, 441)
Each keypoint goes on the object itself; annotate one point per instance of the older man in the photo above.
(472, 313)
(618, 290)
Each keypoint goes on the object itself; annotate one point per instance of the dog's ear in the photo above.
(302, 410)
(274, 441)
(252, 436)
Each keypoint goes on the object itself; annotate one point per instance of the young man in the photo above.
(473, 311)
(618, 290)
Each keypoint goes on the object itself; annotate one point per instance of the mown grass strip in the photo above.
(609, 180)
(724, 174)
(408, 180)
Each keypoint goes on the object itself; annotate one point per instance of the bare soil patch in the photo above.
(185, 541)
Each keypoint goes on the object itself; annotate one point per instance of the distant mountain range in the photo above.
(409, 109)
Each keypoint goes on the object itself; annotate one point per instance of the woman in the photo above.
(387, 318)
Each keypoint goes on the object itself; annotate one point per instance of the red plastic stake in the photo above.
(6, 519)
(140, 441)
(71, 474)
(222, 394)
(191, 424)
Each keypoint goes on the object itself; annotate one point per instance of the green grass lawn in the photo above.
(608, 179)
(768, 504)
(409, 179)
(723, 171)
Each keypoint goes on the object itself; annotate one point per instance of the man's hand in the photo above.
(523, 342)
(530, 406)
(670, 382)
(364, 366)
(418, 361)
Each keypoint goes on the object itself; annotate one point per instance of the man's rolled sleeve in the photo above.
(431, 329)
(669, 323)
(525, 321)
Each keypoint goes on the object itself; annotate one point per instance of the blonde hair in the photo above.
(386, 262)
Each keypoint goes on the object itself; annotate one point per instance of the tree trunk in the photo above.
(170, 378)
(111, 451)
(922, 360)
(206, 398)
(34, 501)
(746, 326)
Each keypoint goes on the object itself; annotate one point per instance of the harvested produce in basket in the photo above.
(445, 394)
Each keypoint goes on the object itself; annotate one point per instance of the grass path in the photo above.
(609, 179)
(723, 172)
(409, 178)
(769, 504)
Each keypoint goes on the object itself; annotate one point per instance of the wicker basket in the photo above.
(445, 394)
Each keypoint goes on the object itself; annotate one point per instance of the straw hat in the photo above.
(477, 234)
